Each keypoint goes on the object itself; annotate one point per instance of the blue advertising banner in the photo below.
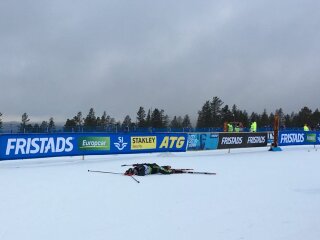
(21, 146)
(203, 141)
(287, 138)
(270, 137)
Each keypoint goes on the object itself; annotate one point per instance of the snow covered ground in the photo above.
(256, 195)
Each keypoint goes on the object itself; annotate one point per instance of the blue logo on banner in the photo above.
(120, 145)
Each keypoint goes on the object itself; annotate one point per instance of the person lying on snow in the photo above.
(150, 168)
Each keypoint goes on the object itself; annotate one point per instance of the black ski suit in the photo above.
(150, 168)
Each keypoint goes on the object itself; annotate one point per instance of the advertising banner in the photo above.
(21, 146)
(270, 137)
(203, 141)
(242, 140)
(287, 138)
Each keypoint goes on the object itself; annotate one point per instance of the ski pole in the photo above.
(135, 179)
(104, 172)
(113, 173)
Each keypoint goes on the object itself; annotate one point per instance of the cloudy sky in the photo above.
(58, 57)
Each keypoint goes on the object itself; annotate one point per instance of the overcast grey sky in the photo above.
(58, 57)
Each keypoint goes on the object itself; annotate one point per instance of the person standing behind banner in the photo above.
(230, 127)
(237, 128)
(305, 127)
(253, 127)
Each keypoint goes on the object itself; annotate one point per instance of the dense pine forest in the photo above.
(212, 116)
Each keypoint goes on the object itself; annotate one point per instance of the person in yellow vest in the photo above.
(253, 127)
(305, 127)
(237, 128)
(230, 127)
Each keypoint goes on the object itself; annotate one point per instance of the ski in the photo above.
(183, 171)
(192, 172)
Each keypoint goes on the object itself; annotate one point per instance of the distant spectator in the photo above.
(305, 127)
(230, 127)
(253, 127)
(237, 128)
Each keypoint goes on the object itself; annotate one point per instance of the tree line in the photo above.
(155, 118)
(45, 126)
(151, 119)
(213, 114)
